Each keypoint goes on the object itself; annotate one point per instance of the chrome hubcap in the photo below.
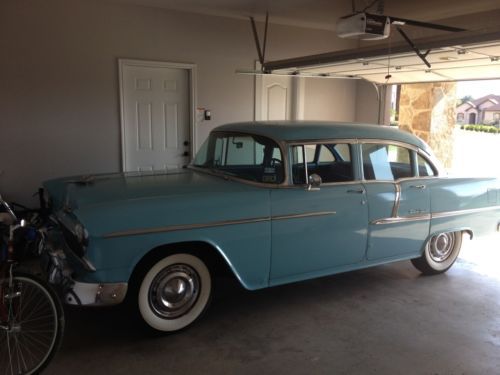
(174, 291)
(441, 246)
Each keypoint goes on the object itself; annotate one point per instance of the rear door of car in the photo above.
(398, 200)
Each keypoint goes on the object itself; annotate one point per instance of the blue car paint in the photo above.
(308, 244)
(386, 241)
(269, 252)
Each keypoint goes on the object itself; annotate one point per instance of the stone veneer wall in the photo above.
(428, 111)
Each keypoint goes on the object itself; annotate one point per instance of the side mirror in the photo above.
(314, 182)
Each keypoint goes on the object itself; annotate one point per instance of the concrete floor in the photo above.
(383, 320)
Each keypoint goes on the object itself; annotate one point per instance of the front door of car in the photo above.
(398, 201)
(317, 230)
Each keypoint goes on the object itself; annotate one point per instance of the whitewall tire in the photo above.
(440, 252)
(174, 292)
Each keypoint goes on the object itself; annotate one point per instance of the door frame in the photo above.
(191, 69)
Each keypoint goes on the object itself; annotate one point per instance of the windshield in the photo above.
(250, 157)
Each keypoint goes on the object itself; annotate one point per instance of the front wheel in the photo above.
(174, 292)
(31, 324)
(440, 252)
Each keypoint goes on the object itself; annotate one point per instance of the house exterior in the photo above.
(485, 110)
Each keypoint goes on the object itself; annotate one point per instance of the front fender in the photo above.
(246, 248)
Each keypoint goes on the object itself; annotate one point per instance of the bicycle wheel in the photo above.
(31, 325)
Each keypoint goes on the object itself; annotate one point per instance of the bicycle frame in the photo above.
(25, 323)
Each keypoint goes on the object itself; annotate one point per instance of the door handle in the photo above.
(356, 191)
(421, 187)
(186, 153)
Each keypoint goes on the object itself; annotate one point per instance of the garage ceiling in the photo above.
(454, 56)
(321, 14)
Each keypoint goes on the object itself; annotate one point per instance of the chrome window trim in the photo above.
(304, 160)
(389, 142)
(428, 158)
(285, 147)
(321, 141)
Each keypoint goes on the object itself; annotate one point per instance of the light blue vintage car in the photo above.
(274, 203)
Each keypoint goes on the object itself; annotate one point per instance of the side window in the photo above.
(343, 151)
(249, 157)
(325, 155)
(424, 167)
(332, 162)
(386, 162)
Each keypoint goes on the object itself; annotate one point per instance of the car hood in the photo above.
(72, 193)
(115, 202)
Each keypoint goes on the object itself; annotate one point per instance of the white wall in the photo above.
(367, 105)
(59, 102)
(330, 99)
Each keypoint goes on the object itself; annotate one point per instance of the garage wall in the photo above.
(59, 101)
(329, 99)
(367, 105)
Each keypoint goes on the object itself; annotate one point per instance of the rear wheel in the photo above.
(440, 252)
(175, 292)
(31, 324)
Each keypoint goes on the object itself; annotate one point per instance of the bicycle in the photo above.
(31, 314)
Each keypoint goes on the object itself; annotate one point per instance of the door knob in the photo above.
(186, 143)
(186, 153)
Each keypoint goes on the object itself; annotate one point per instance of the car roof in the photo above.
(290, 131)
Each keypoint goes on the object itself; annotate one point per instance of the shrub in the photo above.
(481, 128)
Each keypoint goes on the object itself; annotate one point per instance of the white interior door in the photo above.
(155, 116)
(273, 98)
(278, 97)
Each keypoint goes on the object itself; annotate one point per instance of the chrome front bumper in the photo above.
(88, 294)
(79, 293)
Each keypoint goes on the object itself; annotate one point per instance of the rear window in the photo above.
(385, 162)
